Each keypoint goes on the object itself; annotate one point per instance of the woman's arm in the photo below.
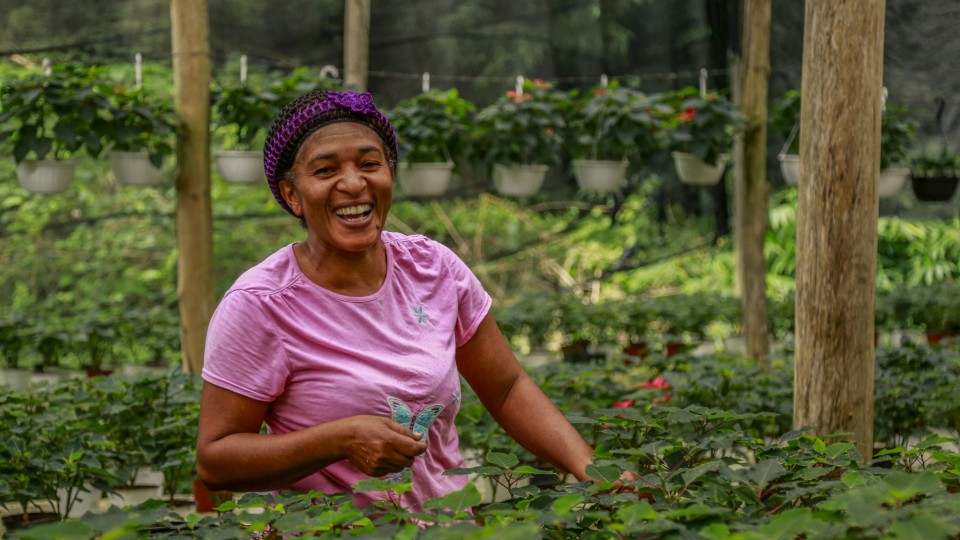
(517, 403)
(232, 454)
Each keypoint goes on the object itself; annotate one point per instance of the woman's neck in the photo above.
(360, 274)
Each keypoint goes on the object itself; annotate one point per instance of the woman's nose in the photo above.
(352, 180)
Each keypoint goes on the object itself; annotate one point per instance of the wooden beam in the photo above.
(750, 168)
(837, 217)
(191, 77)
(356, 43)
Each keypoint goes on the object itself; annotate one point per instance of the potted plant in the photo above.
(896, 138)
(520, 134)
(701, 129)
(785, 120)
(608, 127)
(54, 117)
(14, 337)
(934, 177)
(431, 129)
(140, 131)
(242, 115)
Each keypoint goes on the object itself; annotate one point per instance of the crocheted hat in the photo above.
(308, 113)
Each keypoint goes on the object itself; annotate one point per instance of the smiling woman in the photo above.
(350, 345)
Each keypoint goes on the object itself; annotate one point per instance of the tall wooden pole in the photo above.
(837, 217)
(191, 77)
(356, 43)
(752, 190)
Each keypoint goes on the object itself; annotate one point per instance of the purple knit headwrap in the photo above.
(305, 115)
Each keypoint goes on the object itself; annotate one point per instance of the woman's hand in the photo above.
(376, 445)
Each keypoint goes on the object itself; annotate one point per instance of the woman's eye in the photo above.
(322, 171)
(369, 165)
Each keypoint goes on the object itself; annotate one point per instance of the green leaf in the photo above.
(904, 486)
(62, 530)
(787, 525)
(526, 469)
(507, 461)
(924, 526)
(765, 472)
(605, 473)
(458, 501)
(819, 446)
(633, 513)
(565, 505)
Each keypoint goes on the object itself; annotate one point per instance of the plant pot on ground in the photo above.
(52, 117)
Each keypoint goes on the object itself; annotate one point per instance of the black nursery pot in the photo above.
(934, 188)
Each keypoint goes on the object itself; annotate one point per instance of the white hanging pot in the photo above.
(599, 175)
(693, 170)
(790, 168)
(892, 180)
(46, 175)
(518, 180)
(424, 179)
(135, 168)
(240, 166)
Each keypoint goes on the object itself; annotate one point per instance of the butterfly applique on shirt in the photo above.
(401, 414)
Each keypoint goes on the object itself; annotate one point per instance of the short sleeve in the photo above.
(243, 353)
(473, 301)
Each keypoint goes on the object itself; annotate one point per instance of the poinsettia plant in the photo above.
(432, 126)
(702, 124)
(523, 127)
(614, 123)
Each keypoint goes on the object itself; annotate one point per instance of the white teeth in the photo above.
(354, 210)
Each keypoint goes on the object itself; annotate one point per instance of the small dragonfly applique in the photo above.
(401, 414)
(421, 315)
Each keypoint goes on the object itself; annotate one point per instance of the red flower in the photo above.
(664, 401)
(518, 97)
(540, 83)
(688, 115)
(622, 404)
(659, 382)
(599, 92)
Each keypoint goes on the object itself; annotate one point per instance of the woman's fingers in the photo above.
(381, 446)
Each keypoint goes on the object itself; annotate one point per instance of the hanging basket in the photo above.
(518, 180)
(46, 176)
(424, 179)
(135, 168)
(934, 188)
(240, 166)
(892, 180)
(599, 175)
(790, 168)
(692, 170)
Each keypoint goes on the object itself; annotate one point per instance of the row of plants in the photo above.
(95, 341)
(534, 322)
(703, 471)
(82, 438)
(933, 169)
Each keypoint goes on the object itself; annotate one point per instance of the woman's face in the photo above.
(343, 187)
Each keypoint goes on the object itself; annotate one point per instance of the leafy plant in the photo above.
(896, 135)
(522, 128)
(431, 127)
(942, 164)
(58, 114)
(139, 121)
(704, 125)
(615, 122)
(785, 120)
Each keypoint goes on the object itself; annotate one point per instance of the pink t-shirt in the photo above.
(317, 356)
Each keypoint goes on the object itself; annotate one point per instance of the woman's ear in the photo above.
(290, 194)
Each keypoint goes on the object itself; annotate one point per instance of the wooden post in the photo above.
(191, 77)
(837, 217)
(356, 43)
(750, 168)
